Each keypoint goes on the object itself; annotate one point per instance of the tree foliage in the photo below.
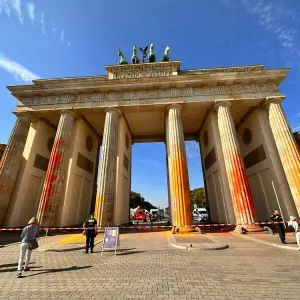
(137, 200)
(198, 197)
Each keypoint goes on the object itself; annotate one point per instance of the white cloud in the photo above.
(19, 72)
(53, 27)
(192, 149)
(30, 10)
(62, 37)
(16, 5)
(69, 43)
(7, 10)
(5, 7)
(278, 19)
(11, 5)
(43, 22)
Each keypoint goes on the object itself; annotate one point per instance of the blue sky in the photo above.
(61, 38)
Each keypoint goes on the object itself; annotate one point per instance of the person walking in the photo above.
(29, 235)
(276, 217)
(294, 227)
(90, 228)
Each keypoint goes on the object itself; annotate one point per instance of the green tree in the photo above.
(198, 197)
(137, 200)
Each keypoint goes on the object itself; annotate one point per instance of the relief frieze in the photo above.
(141, 74)
(151, 94)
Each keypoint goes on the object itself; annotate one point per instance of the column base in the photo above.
(248, 228)
(182, 229)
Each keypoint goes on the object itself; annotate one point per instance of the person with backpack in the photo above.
(29, 235)
(294, 227)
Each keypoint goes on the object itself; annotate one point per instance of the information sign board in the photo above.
(111, 239)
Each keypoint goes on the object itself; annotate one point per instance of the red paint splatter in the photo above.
(51, 175)
(242, 195)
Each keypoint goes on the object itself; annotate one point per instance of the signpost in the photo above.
(111, 239)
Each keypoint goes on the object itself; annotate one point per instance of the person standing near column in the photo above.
(276, 217)
(90, 227)
(29, 234)
(294, 227)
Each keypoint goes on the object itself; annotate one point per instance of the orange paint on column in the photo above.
(286, 146)
(241, 195)
(53, 187)
(98, 208)
(179, 181)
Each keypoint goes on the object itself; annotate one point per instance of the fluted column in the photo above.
(242, 199)
(178, 172)
(11, 160)
(54, 185)
(104, 210)
(286, 146)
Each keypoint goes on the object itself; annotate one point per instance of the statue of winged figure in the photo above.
(134, 57)
(151, 55)
(166, 56)
(122, 58)
(144, 52)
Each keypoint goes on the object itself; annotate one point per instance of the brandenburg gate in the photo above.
(250, 160)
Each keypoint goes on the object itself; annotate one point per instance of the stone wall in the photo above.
(2, 148)
(297, 138)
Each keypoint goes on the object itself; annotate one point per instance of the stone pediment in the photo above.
(143, 70)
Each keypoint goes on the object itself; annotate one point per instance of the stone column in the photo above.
(11, 160)
(54, 185)
(242, 199)
(104, 210)
(178, 173)
(286, 146)
(168, 183)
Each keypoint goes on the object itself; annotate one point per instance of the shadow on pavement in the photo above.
(8, 265)
(130, 252)
(70, 249)
(45, 271)
(15, 269)
(65, 250)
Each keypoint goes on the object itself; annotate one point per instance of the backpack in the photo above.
(291, 228)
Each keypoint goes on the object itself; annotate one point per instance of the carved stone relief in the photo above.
(156, 93)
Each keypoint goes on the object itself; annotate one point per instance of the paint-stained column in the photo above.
(104, 210)
(242, 199)
(286, 146)
(168, 183)
(11, 160)
(178, 172)
(54, 185)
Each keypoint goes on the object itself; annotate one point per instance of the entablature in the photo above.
(220, 77)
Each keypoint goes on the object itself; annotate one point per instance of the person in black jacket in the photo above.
(90, 227)
(276, 217)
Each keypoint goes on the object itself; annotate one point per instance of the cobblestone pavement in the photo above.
(146, 267)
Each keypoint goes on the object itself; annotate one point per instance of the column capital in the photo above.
(173, 106)
(272, 99)
(24, 117)
(70, 112)
(110, 109)
(224, 103)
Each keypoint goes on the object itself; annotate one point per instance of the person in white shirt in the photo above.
(292, 223)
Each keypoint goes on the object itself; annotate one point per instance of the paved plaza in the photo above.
(147, 267)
